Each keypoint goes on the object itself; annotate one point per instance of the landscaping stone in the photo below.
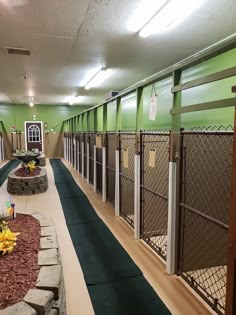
(48, 242)
(40, 300)
(48, 257)
(42, 220)
(60, 304)
(48, 230)
(18, 309)
(49, 278)
(45, 222)
(18, 185)
(49, 297)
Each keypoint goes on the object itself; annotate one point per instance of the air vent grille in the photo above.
(17, 51)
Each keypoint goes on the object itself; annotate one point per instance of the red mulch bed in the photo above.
(19, 270)
(21, 172)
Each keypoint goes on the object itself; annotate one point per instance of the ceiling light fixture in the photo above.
(31, 101)
(169, 16)
(98, 78)
(71, 100)
(146, 9)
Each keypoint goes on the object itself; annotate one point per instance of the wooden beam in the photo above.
(207, 79)
(227, 102)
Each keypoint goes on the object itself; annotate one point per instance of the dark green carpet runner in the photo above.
(115, 283)
(5, 170)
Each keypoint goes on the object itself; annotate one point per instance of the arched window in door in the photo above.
(34, 134)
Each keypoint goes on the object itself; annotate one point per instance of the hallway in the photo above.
(171, 289)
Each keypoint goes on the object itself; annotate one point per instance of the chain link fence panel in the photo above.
(127, 144)
(111, 145)
(205, 181)
(154, 189)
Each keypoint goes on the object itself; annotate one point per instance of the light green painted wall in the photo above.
(52, 114)
(127, 117)
(85, 121)
(100, 118)
(164, 104)
(91, 120)
(213, 65)
(128, 112)
(111, 116)
(209, 92)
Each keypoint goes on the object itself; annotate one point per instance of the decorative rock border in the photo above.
(48, 298)
(27, 185)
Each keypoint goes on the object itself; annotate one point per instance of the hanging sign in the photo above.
(153, 108)
(152, 158)
(98, 141)
(126, 158)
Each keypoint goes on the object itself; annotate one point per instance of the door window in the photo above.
(34, 134)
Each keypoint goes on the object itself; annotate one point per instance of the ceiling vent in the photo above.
(17, 51)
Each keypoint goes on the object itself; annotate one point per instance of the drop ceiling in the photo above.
(69, 39)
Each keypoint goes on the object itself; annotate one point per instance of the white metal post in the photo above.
(78, 150)
(1, 148)
(74, 152)
(3, 155)
(104, 177)
(88, 161)
(117, 185)
(67, 149)
(82, 155)
(95, 169)
(171, 229)
(137, 196)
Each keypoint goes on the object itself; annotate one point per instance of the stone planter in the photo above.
(48, 297)
(27, 185)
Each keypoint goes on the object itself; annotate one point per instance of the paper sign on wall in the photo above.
(153, 108)
(126, 158)
(99, 141)
(152, 158)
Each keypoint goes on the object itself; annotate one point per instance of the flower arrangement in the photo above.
(7, 238)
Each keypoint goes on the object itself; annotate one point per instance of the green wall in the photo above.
(91, 120)
(209, 92)
(124, 113)
(111, 116)
(164, 104)
(100, 118)
(128, 112)
(54, 115)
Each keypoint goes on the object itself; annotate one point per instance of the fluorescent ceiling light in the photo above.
(31, 101)
(172, 14)
(145, 11)
(71, 100)
(98, 78)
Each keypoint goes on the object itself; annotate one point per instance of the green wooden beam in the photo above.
(207, 79)
(228, 102)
